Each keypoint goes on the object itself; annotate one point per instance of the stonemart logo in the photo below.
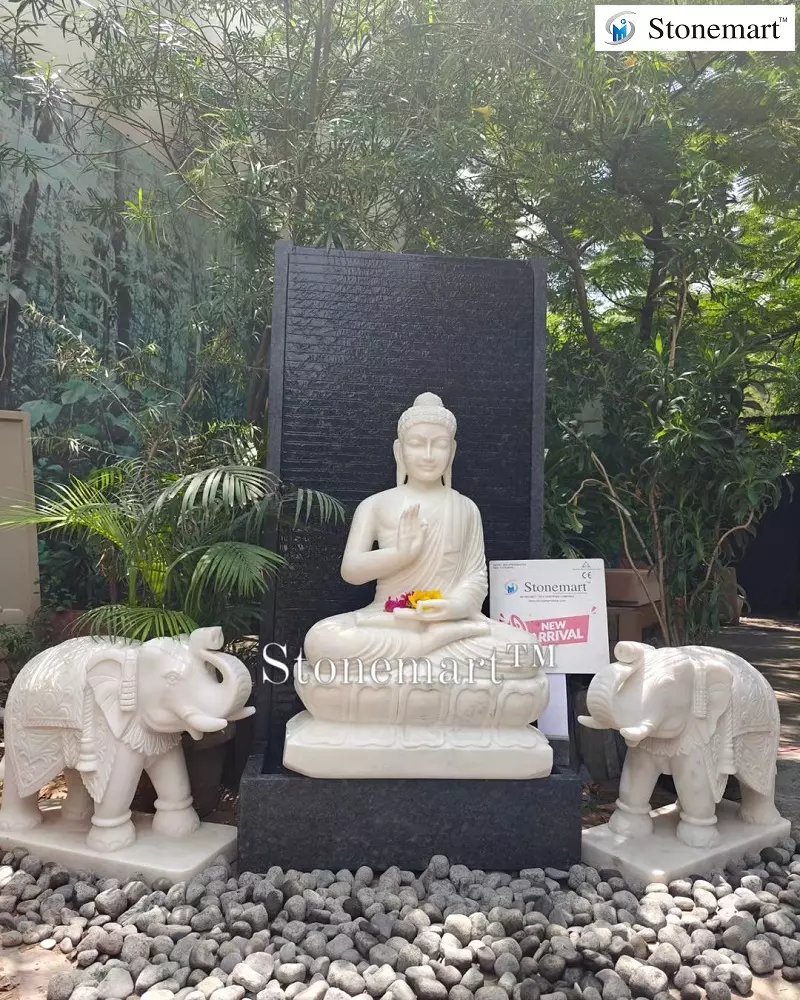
(620, 28)
(695, 28)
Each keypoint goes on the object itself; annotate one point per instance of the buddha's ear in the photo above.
(401, 466)
(447, 478)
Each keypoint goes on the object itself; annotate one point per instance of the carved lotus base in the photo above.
(322, 748)
(512, 702)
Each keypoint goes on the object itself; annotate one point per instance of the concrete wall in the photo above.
(19, 560)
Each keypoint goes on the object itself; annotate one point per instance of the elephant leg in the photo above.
(112, 828)
(174, 816)
(79, 805)
(698, 822)
(17, 812)
(631, 818)
(758, 807)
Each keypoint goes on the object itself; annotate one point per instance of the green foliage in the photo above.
(65, 246)
(99, 411)
(661, 188)
(67, 575)
(678, 479)
(176, 553)
(20, 643)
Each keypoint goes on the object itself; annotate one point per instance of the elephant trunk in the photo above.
(223, 701)
(232, 694)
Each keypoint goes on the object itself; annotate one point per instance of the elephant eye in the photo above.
(171, 677)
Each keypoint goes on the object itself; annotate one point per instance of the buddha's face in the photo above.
(427, 450)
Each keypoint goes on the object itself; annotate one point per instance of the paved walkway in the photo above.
(774, 647)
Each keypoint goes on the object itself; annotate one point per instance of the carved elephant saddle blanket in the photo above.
(751, 727)
(50, 688)
(50, 709)
(744, 740)
(44, 714)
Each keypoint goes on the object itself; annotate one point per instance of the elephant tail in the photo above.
(3, 761)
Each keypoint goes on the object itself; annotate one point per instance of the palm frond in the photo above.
(107, 476)
(243, 618)
(20, 515)
(254, 522)
(236, 568)
(122, 622)
(128, 481)
(77, 507)
(328, 508)
(231, 486)
(152, 559)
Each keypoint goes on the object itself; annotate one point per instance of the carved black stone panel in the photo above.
(356, 336)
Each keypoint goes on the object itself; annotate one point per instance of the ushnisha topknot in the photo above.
(428, 408)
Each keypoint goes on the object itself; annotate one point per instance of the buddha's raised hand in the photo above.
(411, 533)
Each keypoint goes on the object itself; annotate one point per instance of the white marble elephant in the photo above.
(103, 711)
(697, 713)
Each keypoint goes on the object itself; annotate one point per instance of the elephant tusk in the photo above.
(203, 723)
(589, 722)
(195, 734)
(633, 735)
(241, 713)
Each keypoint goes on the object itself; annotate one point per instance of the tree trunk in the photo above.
(655, 242)
(573, 259)
(22, 235)
(119, 290)
(258, 384)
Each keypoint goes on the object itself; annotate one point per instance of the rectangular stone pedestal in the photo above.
(319, 748)
(661, 857)
(293, 821)
(152, 855)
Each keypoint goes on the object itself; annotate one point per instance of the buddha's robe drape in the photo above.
(452, 560)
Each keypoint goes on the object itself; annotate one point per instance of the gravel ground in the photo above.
(448, 934)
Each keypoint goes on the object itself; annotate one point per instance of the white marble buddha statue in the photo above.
(419, 683)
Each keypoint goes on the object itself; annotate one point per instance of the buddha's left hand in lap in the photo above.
(445, 609)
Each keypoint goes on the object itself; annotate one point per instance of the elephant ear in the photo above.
(111, 674)
(713, 686)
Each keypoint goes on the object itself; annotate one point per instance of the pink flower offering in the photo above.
(397, 602)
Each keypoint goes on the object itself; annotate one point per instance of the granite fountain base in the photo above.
(294, 821)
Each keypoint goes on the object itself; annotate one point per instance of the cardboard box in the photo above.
(624, 586)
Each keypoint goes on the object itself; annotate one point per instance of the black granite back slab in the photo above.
(356, 336)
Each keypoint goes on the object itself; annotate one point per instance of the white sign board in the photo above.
(554, 720)
(559, 603)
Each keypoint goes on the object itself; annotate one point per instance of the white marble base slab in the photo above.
(661, 857)
(322, 749)
(152, 855)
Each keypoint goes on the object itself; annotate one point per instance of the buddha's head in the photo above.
(426, 442)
